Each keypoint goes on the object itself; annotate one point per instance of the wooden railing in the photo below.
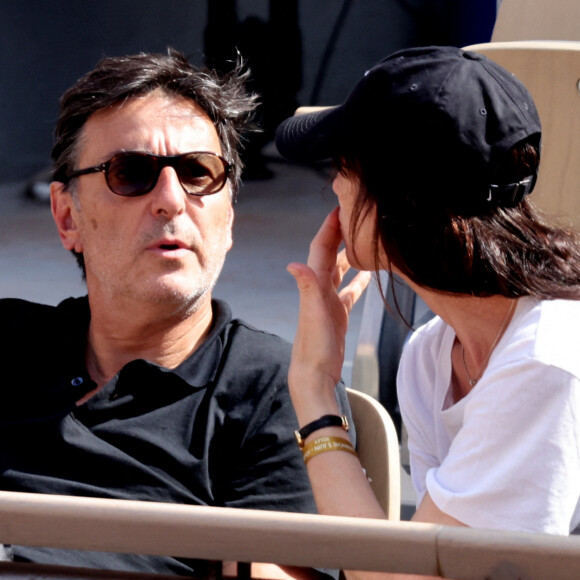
(283, 538)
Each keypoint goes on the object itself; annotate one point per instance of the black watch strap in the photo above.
(324, 421)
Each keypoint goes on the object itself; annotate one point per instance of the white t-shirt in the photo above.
(506, 456)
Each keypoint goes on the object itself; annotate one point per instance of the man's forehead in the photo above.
(166, 104)
(151, 117)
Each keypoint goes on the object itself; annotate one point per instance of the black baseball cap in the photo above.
(453, 114)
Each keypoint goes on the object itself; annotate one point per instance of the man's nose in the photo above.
(168, 196)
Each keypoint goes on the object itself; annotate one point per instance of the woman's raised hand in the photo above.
(318, 351)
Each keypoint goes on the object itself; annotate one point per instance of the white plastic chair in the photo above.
(537, 20)
(378, 450)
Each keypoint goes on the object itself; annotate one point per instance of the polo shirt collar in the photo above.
(198, 370)
(201, 367)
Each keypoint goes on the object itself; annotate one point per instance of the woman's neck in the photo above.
(479, 324)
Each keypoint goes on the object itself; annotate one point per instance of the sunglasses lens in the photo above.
(201, 173)
(132, 174)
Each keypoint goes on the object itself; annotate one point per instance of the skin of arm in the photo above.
(339, 484)
(428, 512)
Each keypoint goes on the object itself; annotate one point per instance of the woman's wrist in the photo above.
(309, 380)
(320, 424)
(313, 405)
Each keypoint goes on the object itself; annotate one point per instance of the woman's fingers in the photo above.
(323, 258)
(317, 343)
(350, 294)
(341, 268)
(324, 245)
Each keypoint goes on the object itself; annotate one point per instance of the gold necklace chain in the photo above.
(473, 381)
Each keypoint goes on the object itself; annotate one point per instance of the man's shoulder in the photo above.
(18, 307)
(40, 324)
(17, 312)
(253, 359)
(268, 342)
(244, 336)
(254, 352)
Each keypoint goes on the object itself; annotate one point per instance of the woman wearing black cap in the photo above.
(437, 150)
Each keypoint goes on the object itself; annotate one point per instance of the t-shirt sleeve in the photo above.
(515, 462)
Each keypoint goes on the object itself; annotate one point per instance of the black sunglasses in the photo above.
(133, 173)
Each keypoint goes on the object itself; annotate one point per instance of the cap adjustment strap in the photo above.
(511, 194)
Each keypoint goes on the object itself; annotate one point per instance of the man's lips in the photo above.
(170, 248)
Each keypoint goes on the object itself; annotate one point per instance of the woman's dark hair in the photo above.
(440, 241)
(114, 80)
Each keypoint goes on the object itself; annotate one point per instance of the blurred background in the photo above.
(302, 52)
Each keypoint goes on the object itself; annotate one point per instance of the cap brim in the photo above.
(312, 134)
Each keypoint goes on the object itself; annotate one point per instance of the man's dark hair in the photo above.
(114, 80)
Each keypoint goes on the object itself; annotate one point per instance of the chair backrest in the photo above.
(537, 20)
(551, 72)
(378, 450)
(365, 366)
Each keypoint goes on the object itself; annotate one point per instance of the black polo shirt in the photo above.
(217, 430)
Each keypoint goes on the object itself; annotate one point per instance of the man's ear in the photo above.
(65, 216)
(230, 225)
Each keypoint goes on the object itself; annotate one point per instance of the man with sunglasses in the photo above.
(147, 389)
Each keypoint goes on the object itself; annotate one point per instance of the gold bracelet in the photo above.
(323, 444)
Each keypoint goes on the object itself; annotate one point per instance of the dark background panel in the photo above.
(47, 44)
